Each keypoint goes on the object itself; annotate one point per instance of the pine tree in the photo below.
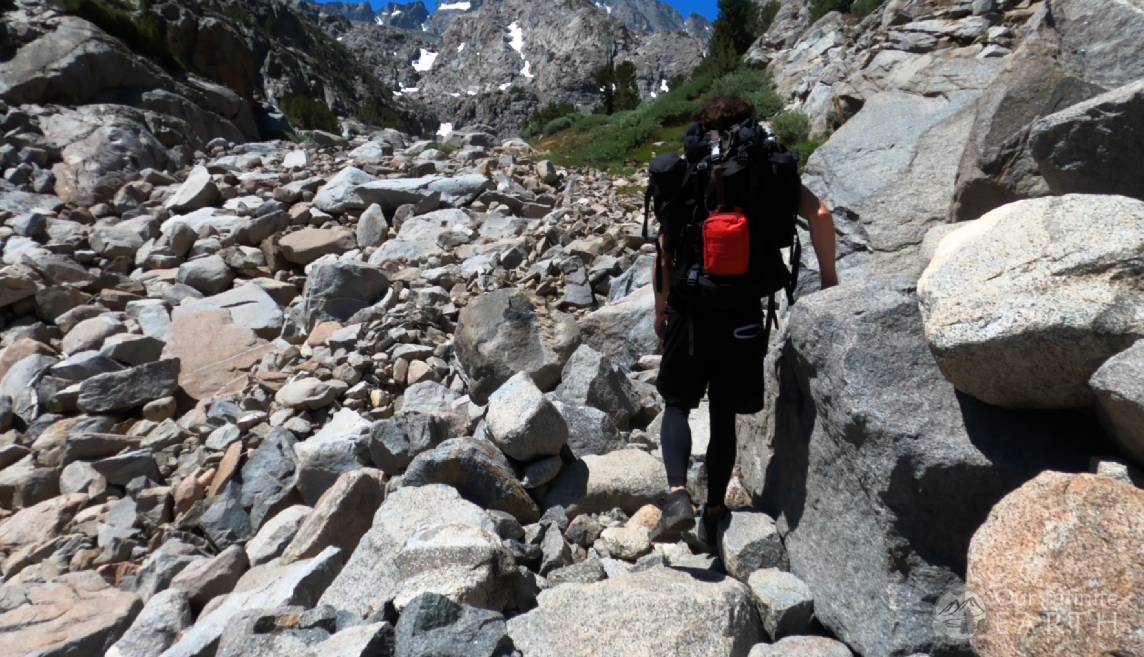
(731, 36)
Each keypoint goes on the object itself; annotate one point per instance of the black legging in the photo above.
(675, 440)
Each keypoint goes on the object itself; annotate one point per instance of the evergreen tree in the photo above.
(731, 36)
(618, 89)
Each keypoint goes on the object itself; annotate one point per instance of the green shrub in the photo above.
(557, 125)
(589, 122)
(542, 117)
(805, 149)
(751, 85)
(791, 127)
(310, 113)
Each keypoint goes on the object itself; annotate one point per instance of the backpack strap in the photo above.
(795, 266)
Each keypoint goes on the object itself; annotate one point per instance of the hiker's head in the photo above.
(724, 112)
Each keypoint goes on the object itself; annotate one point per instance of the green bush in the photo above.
(557, 125)
(805, 149)
(791, 127)
(545, 115)
(589, 122)
(751, 85)
(310, 113)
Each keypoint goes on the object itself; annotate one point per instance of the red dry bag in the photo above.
(726, 244)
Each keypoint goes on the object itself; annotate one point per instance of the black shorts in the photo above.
(720, 354)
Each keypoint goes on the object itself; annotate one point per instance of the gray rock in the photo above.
(309, 393)
(657, 611)
(129, 388)
(425, 236)
(585, 572)
(132, 349)
(623, 331)
(628, 479)
(398, 555)
(249, 305)
(590, 379)
(785, 603)
(478, 471)
(89, 334)
(454, 191)
(394, 442)
(875, 500)
(82, 365)
(156, 627)
(339, 447)
(268, 476)
(1054, 278)
(269, 586)
(1119, 389)
(505, 332)
(554, 550)
(432, 398)
(225, 521)
(541, 471)
(336, 290)
(372, 228)
(1094, 147)
(433, 625)
(122, 468)
(162, 565)
(750, 541)
(339, 195)
(205, 579)
(522, 422)
(197, 191)
(1074, 50)
(341, 516)
(275, 534)
(804, 646)
(208, 274)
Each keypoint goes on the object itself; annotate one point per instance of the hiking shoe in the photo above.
(678, 517)
(709, 526)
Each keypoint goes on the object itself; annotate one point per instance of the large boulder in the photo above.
(391, 194)
(889, 171)
(523, 423)
(340, 517)
(590, 379)
(1119, 389)
(479, 472)
(627, 478)
(266, 587)
(74, 614)
(1075, 50)
(1023, 305)
(435, 625)
(1094, 147)
(424, 236)
(1064, 550)
(505, 332)
(623, 331)
(338, 195)
(882, 471)
(453, 551)
(660, 611)
(336, 290)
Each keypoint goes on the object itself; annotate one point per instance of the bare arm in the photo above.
(821, 222)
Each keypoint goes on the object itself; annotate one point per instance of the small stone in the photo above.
(627, 543)
(309, 393)
(275, 534)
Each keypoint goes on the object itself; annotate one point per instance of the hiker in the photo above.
(726, 210)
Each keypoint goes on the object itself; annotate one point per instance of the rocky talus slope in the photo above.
(371, 395)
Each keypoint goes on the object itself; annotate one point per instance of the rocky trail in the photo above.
(371, 395)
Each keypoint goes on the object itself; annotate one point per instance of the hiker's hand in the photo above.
(661, 323)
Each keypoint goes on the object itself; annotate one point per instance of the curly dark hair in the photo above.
(723, 112)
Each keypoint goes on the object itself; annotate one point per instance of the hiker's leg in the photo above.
(675, 441)
(720, 451)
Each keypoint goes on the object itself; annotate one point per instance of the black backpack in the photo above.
(723, 178)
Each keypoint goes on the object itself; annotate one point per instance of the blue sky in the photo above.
(685, 7)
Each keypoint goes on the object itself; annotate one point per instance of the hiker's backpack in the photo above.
(726, 209)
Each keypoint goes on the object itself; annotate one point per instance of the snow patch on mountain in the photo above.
(425, 63)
